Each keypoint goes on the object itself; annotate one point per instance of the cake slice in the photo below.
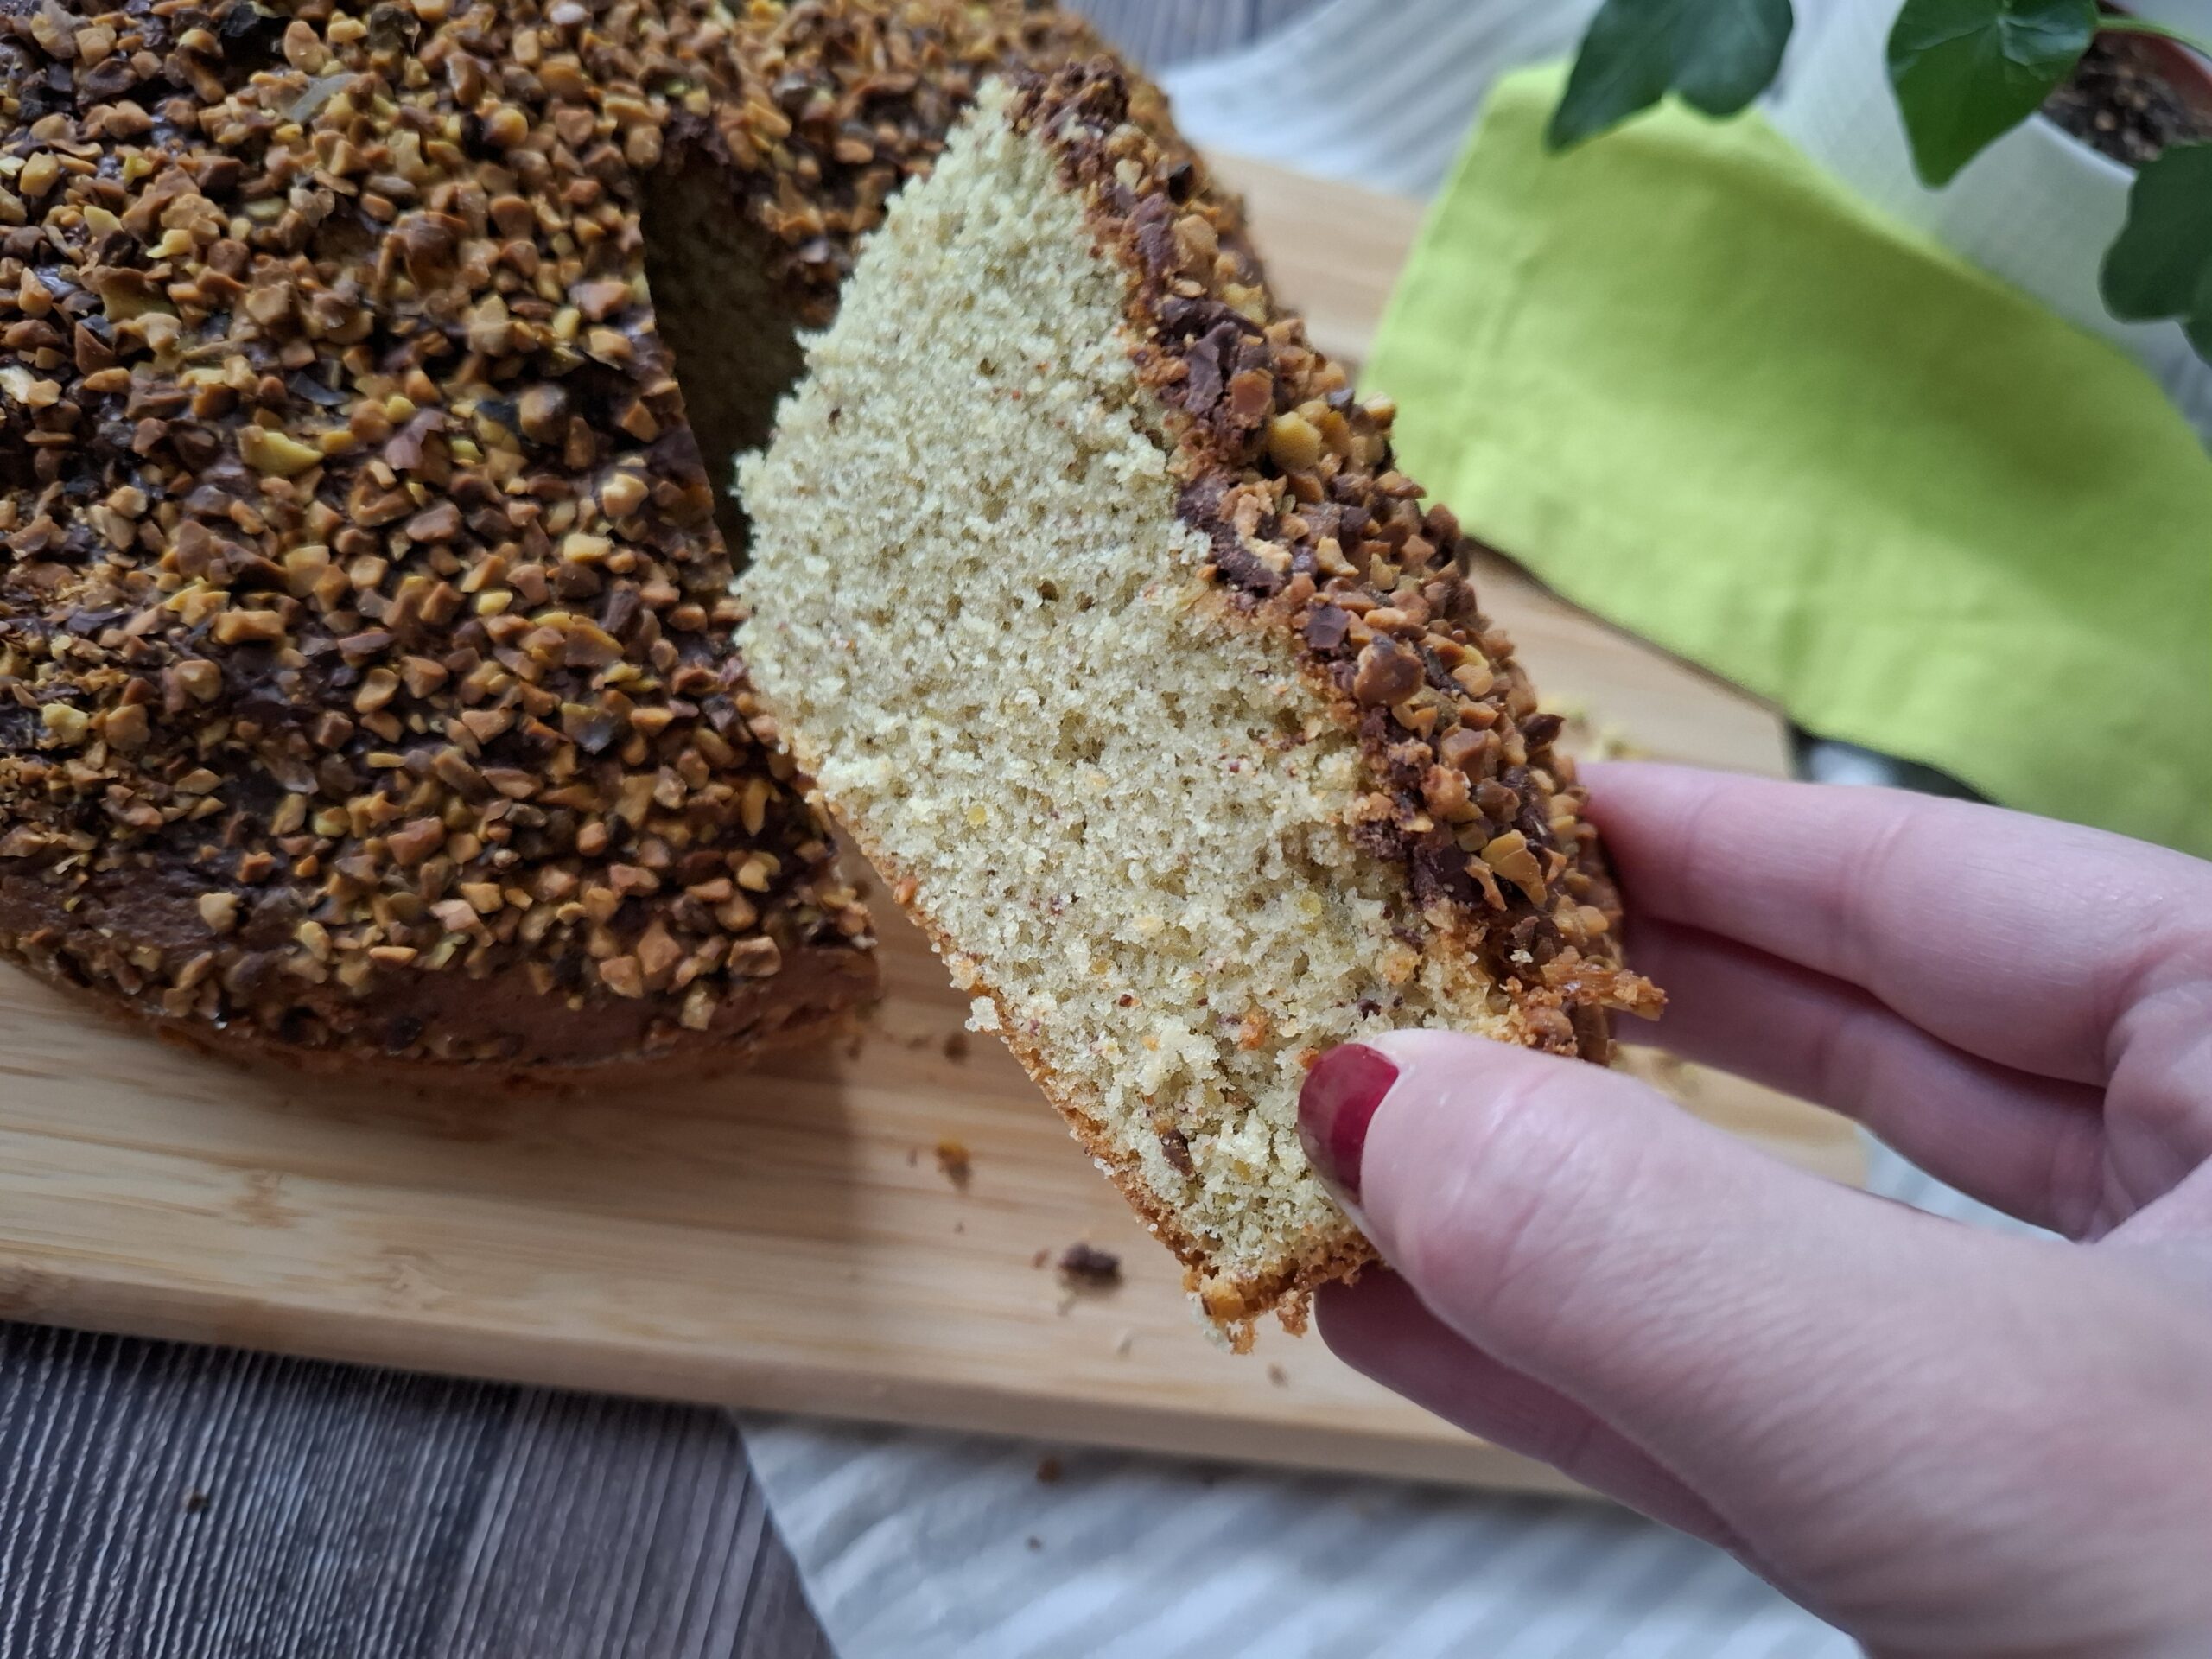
(1084, 588)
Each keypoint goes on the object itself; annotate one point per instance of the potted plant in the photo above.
(2064, 145)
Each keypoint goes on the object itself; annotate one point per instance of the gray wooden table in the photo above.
(164, 1501)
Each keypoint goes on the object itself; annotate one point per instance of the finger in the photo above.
(1851, 1383)
(2178, 1223)
(2017, 939)
(2032, 1147)
(2159, 1107)
(1380, 1328)
(1750, 1327)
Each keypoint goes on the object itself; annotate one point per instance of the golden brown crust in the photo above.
(364, 628)
(1318, 537)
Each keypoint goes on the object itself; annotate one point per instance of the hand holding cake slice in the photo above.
(1085, 588)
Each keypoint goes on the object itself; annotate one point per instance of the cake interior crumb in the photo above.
(1119, 806)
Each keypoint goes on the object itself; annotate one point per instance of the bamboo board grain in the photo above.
(785, 1239)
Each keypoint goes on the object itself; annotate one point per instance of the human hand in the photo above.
(1946, 1441)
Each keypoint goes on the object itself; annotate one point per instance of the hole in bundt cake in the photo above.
(732, 335)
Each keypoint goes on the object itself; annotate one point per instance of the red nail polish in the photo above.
(1335, 1107)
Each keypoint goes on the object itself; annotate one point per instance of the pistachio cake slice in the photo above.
(1085, 588)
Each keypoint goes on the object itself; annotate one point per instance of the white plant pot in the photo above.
(2037, 208)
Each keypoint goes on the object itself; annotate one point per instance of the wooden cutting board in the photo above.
(787, 1239)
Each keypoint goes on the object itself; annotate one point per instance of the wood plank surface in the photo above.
(785, 1239)
(169, 1503)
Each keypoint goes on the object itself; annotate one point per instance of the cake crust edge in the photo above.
(1281, 468)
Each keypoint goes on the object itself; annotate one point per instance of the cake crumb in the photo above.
(1085, 1267)
(953, 1160)
(955, 1046)
(1048, 1471)
(1279, 1377)
(1040, 1258)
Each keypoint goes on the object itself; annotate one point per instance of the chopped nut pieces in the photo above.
(1289, 476)
(354, 545)
(1386, 673)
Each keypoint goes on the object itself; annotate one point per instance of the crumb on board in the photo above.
(1279, 1377)
(1040, 1258)
(195, 1502)
(1048, 1471)
(1125, 1341)
(1085, 1267)
(952, 1157)
(955, 1046)
(1035, 1541)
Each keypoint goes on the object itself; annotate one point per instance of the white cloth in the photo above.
(1378, 92)
(1382, 93)
(922, 1545)
(915, 1545)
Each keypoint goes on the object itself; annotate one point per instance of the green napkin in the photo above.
(1699, 388)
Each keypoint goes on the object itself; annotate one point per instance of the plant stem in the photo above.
(2109, 24)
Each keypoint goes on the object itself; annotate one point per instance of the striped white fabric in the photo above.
(916, 1545)
(921, 1546)
(1380, 93)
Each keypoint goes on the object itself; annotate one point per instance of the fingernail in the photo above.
(1335, 1107)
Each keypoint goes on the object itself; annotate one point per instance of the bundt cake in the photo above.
(366, 370)
(1085, 588)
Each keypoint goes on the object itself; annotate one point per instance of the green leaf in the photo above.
(1719, 54)
(2157, 268)
(1967, 72)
